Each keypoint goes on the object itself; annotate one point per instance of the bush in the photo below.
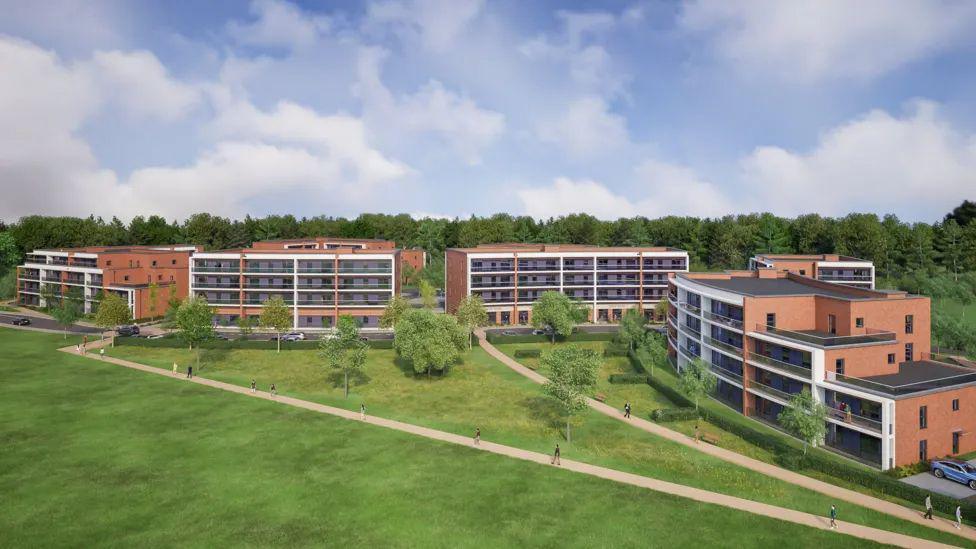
(615, 349)
(498, 339)
(627, 378)
(665, 415)
(175, 342)
(528, 353)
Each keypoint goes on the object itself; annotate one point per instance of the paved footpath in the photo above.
(697, 494)
(842, 494)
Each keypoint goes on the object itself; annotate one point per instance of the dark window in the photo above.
(909, 324)
(159, 277)
(891, 358)
(126, 277)
(108, 263)
(923, 417)
(173, 262)
(154, 263)
(803, 272)
(923, 450)
(955, 442)
(909, 351)
(955, 405)
(771, 319)
(831, 324)
(839, 365)
(859, 322)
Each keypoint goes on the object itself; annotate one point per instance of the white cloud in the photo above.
(435, 23)
(455, 119)
(828, 38)
(142, 85)
(587, 129)
(279, 24)
(918, 165)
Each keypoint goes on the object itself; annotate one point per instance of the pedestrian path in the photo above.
(843, 494)
(697, 494)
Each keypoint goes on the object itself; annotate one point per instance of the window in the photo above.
(159, 277)
(909, 324)
(859, 322)
(923, 417)
(891, 358)
(108, 263)
(172, 262)
(154, 263)
(126, 277)
(771, 320)
(923, 450)
(955, 442)
(839, 366)
(803, 272)
(832, 324)
(955, 405)
(909, 351)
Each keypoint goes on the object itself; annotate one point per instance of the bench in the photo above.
(711, 439)
(600, 397)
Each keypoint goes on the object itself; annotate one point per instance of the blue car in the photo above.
(956, 470)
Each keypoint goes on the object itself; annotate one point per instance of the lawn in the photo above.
(98, 455)
(965, 313)
(508, 408)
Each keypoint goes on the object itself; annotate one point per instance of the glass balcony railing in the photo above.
(723, 320)
(689, 307)
(278, 286)
(820, 340)
(727, 373)
(846, 416)
(768, 391)
(780, 365)
(618, 267)
(206, 284)
(491, 268)
(269, 269)
(204, 268)
(316, 269)
(578, 267)
(723, 345)
(691, 331)
(373, 270)
(379, 286)
(499, 284)
(845, 278)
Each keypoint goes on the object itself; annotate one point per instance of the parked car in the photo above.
(127, 330)
(293, 336)
(22, 321)
(156, 336)
(954, 469)
(509, 333)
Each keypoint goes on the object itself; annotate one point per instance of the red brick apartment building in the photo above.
(839, 269)
(124, 270)
(510, 277)
(864, 353)
(319, 278)
(414, 257)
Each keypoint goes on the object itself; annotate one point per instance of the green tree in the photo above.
(772, 236)
(153, 294)
(245, 325)
(51, 295)
(632, 328)
(394, 311)
(344, 351)
(8, 284)
(805, 418)
(428, 294)
(172, 305)
(112, 311)
(661, 309)
(696, 380)
(652, 351)
(9, 253)
(572, 376)
(194, 323)
(951, 246)
(69, 309)
(276, 316)
(557, 312)
(429, 341)
(471, 314)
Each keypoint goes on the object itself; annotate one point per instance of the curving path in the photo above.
(697, 494)
(767, 469)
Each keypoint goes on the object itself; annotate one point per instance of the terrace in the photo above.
(489, 266)
(825, 339)
(316, 267)
(373, 267)
(913, 377)
(210, 266)
(252, 266)
(672, 264)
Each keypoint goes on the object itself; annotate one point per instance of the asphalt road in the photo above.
(944, 486)
(47, 324)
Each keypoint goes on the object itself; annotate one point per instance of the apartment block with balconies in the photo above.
(865, 354)
(838, 269)
(144, 276)
(319, 281)
(608, 281)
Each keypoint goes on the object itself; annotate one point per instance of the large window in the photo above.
(955, 442)
(923, 417)
(955, 405)
(771, 320)
(909, 324)
(831, 324)
(839, 366)
(923, 450)
(909, 351)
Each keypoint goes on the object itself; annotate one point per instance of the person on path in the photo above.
(833, 517)
(274, 390)
(555, 457)
(189, 372)
(84, 344)
(928, 507)
(362, 411)
(958, 517)
(176, 369)
(477, 436)
(101, 353)
(254, 387)
(78, 349)
(697, 437)
(627, 410)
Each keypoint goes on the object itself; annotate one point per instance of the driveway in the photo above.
(46, 324)
(946, 487)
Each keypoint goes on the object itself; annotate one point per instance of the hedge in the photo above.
(528, 353)
(496, 337)
(175, 342)
(615, 349)
(815, 459)
(627, 378)
(664, 415)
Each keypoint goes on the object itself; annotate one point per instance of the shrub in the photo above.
(528, 353)
(627, 378)
(173, 342)
(615, 349)
(498, 339)
(665, 415)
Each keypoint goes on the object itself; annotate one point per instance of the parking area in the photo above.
(46, 323)
(946, 487)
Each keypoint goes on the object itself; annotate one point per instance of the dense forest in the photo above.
(936, 259)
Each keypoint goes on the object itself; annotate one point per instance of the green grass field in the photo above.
(509, 409)
(965, 313)
(98, 455)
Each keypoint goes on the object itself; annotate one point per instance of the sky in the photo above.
(452, 108)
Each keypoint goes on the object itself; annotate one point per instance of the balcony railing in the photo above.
(618, 267)
(540, 283)
(631, 297)
(312, 269)
(249, 301)
(854, 419)
(578, 267)
(362, 302)
(769, 391)
(501, 284)
(605, 282)
(373, 270)
(498, 299)
(216, 268)
(538, 267)
(688, 352)
(689, 307)
(198, 284)
(386, 286)
(691, 330)
(317, 302)
(780, 365)
(872, 336)
(223, 301)
(282, 269)
(723, 320)
(723, 345)
(723, 372)
(279, 286)
(845, 278)
(490, 269)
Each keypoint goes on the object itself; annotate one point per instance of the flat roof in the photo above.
(162, 248)
(764, 287)
(920, 371)
(300, 251)
(322, 238)
(812, 257)
(521, 247)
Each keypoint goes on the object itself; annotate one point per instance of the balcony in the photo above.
(601, 266)
(215, 268)
(845, 278)
(767, 391)
(34, 258)
(254, 301)
(321, 286)
(688, 352)
(278, 286)
(539, 283)
(369, 270)
(375, 286)
(723, 320)
(578, 266)
(530, 266)
(771, 362)
(79, 280)
(618, 282)
(304, 301)
(30, 274)
(499, 284)
(822, 339)
(264, 269)
(362, 302)
(689, 307)
(223, 301)
(729, 374)
(29, 289)
(204, 284)
(316, 268)
(723, 345)
(56, 260)
(691, 330)
(84, 262)
(850, 418)
(500, 268)
(622, 297)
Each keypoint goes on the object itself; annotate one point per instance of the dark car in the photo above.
(954, 469)
(22, 321)
(125, 331)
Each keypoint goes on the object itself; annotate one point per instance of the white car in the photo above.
(293, 336)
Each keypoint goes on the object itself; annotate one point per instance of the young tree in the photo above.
(69, 309)
(112, 311)
(394, 311)
(194, 323)
(572, 375)
(429, 341)
(172, 305)
(51, 294)
(661, 309)
(344, 352)
(805, 418)
(557, 312)
(696, 380)
(632, 330)
(246, 325)
(471, 314)
(428, 294)
(276, 315)
(652, 351)
(153, 293)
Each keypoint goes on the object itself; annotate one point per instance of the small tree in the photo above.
(696, 380)
(428, 294)
(68, 310)
(246, 326)
(661, 309)
(394, 311)
(557, 312)
(345, 351)
(50, 293)
(172, 305)
(194, 323)
(572, 375)
(429, 341)
(805, 418)
(112, 311)
(652, 351)
(153, 294)
(471, 314)
(632, 330)
(275, 315)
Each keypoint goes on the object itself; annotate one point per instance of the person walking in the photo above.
(697, 435)
(101, 353)
(627, 410)
(928, 507)
(477, 436)
(362, 411)
(555, 457)
(189, 372)
(274, 390)
(833, 517)
(78, 349)
(958, 517)
(176, 369)
(84, 344)
(254, 387)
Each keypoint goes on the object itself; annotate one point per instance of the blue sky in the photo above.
(460, 107)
